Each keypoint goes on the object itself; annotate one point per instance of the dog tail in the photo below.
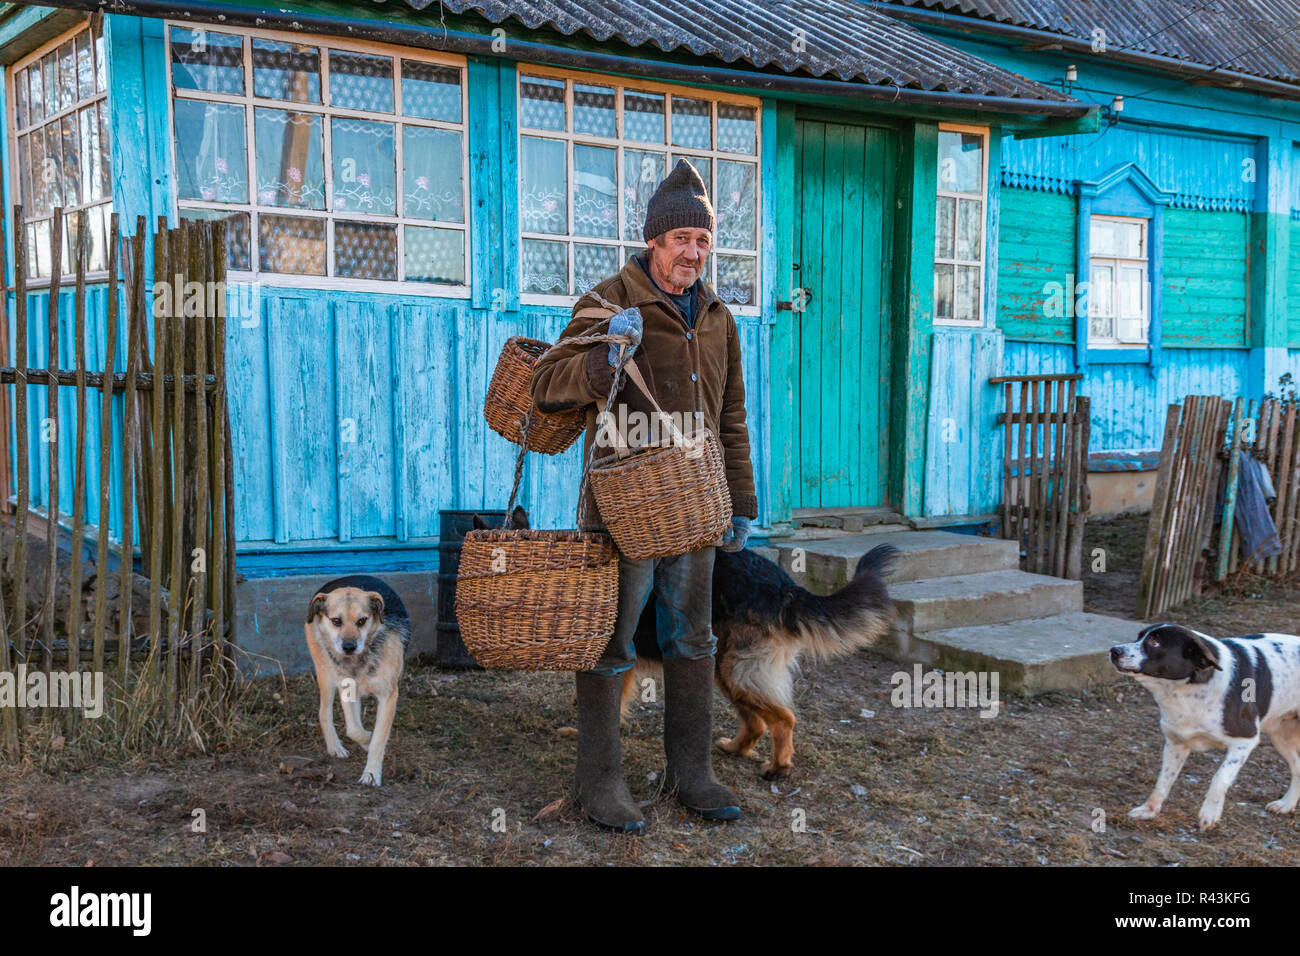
(854, 617)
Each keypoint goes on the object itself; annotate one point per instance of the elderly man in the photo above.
(689, 352)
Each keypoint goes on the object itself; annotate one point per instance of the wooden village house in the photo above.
(913, 198)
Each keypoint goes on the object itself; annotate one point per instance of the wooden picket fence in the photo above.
(174, 471)
(1045, 497)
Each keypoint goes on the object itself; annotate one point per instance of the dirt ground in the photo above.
(480, 764)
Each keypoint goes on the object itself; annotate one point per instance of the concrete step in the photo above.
(827, 564)
(990, 597)
(1063, 652)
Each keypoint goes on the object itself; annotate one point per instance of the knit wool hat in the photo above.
(680, 202)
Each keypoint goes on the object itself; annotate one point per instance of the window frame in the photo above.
(1116, 262)
(250, 103)
(13, 184)
(981, 296)
(619, 142)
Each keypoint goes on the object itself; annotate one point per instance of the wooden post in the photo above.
(135, 345)
(105, 458)
(22, 474)
(157, 565)
(200, 488)
(52, 423)
(1155, 524)
(1230, 495)
(75, 603)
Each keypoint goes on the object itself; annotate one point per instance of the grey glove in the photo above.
(629, 323)
(734, 538)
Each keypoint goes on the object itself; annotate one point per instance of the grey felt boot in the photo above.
(688, 740)
(598, 781)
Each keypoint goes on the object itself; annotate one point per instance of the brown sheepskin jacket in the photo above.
(688, 371)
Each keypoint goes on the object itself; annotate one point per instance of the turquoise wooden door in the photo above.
(840, 340)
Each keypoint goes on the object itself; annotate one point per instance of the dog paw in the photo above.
(372, 778)
(336, 749)
(1281, 806)
(771, 771)
(1209, 817)
(1144, 812)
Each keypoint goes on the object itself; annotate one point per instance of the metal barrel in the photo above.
(453, 525)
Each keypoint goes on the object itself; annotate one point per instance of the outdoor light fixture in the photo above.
(1071, 74)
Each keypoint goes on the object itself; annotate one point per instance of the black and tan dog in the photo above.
(764, 623)
(357, 631)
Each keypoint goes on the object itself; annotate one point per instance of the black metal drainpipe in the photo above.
(432, 37)
(1155, 61)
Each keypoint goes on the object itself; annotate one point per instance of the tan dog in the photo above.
(357, 631)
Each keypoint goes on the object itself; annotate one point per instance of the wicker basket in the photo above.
(664, 500)
(509, 400)
(537, 600)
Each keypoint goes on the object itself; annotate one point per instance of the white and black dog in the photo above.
(1217, 693)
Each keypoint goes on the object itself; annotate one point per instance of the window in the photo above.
(959, 226)
(591, 154)
(329, 159)
(1117, 291)
(60, 140)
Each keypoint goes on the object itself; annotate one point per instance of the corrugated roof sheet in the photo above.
(840, 39)
(1257, 37)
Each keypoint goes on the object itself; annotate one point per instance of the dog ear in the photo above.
(1201, 652)
(316, 608)
(519, 518)
(376, 605)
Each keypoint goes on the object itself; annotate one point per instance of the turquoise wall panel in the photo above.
(1035, 255)
(1205, 279)
(964, 449)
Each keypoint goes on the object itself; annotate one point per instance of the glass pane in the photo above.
(38, 249)
(290, 159)
(594, 110)
(97, 247)
(70, 172)
(692, 123)
(92, 178)
(542, 172)
(67, 75)
(1132, 292)
(943, 291)
(642, 174)
(1101, 327)
(545, 267)
(943, 227)
(737, 280)
(206, 60)
(432, 176)
(1111, 237)
(737, 206)
(365, 250)
(85, 68)
(41, 175)
(291, 244)
(595, 191)
(961, 162)
(105, 158)
(970, 230)
(210, 153)
(737, 128)
(20, 99)
(100, 66)
(360, 81)
(1100, 292)
(643, 116)
(365, 166)
(592, 265)
(51, 171)
(237, 244)
(50, 75)
(435, 255)
(431, 91)
(22, 174)
(541, 103)
(286, 71)
(38, 93)
(966, 302)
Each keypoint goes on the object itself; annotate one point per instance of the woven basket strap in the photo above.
(519, 468)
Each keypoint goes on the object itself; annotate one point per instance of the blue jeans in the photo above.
(683, 590)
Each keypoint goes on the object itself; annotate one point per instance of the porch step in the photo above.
(828, 563)
(990, 597)
(845, 519)
(1062, 652)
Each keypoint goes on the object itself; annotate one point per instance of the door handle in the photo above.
(800, 302)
